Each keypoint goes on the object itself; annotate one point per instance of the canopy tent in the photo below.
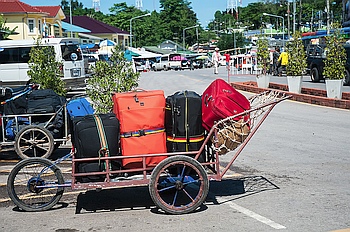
(202, 57)
(143, 54)
(70, 27)
(88, 46)
(129, 55)
(107, 43)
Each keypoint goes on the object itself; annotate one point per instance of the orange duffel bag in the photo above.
(141, 115)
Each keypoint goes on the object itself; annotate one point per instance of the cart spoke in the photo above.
(35, 184)
(179, 184)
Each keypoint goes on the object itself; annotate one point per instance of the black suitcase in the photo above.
(44, 101)
(183, 119)
(86, 140)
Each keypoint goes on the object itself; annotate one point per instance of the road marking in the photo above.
(255, 216)
(343, 230)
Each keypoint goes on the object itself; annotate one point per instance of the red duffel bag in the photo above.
(220, 100)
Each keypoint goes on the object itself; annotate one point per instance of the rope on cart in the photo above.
(233, 130)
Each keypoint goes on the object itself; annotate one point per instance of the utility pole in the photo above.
(288, 13)
(294, 13)
(328, 17)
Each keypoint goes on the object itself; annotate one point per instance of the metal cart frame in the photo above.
(33, 140)
(179, 184)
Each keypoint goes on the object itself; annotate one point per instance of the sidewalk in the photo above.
(311, 93)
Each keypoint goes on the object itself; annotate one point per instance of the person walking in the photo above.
(283, 59)
(215, 59)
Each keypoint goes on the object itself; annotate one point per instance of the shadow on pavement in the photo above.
(129, 198)
(240, 187)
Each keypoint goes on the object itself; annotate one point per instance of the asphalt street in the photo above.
(292, 176)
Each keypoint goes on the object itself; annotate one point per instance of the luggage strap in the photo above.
(30, 88)
(184, 139)
(103, 139)
(139, 133)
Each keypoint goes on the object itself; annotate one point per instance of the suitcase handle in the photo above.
(207, 99)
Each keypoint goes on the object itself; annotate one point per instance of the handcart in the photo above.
(179, 184)
(33, 135)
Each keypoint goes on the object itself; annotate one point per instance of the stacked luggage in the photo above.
(29, 100)
(145, 122)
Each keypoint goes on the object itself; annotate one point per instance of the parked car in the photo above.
(315, 57)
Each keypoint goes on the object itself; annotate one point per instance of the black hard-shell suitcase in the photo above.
(44, 101)
(183, 120)
(87, 142)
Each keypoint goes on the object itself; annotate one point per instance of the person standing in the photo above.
(276, 55)
(227, 58)
(147, 65)
(215, 59)
(283, 59)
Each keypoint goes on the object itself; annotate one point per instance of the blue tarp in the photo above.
(87, 46)
(129, 54)
(69, 27)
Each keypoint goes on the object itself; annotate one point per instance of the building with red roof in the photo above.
(100, 29)
(32, 21)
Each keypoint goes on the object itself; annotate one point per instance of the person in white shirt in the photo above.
(215, 59)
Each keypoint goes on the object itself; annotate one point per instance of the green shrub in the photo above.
(334, 65)
(116, 75)
(263, 54)
(44, 69)
(296, 56)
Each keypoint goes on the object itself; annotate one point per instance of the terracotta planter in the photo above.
(294, 83)
(263, 81)
(334, 88)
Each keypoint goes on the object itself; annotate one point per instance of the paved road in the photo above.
(292, 176)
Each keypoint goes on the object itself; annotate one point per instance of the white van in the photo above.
(161, 63)
(14, 57)
(174, 61)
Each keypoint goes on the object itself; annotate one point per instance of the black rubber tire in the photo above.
(315, 76)
(347, 78)
(34, 141)
(23, 182)
(179, 185)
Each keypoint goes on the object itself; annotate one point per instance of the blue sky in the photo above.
(205, 9)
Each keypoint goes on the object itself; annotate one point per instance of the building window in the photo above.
(39, 26)
(31, 26)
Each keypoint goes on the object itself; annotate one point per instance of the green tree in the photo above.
(44, 69)
(77, 8)
(177, 15)
(4, 29)
(263, 53)
(334, 65)
(108, 78)
(296, 56)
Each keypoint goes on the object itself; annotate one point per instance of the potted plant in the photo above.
(263, 58)
(296, 63)
(334, 65)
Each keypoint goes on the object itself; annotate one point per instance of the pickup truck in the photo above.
(315, 57)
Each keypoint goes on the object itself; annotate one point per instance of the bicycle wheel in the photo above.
(179, 184)
(34, 141)
(33, 184)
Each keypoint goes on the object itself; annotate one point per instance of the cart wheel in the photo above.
(34, 141)
(179, 184)
(32, 184)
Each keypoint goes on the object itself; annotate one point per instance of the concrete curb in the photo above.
(308, 95)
